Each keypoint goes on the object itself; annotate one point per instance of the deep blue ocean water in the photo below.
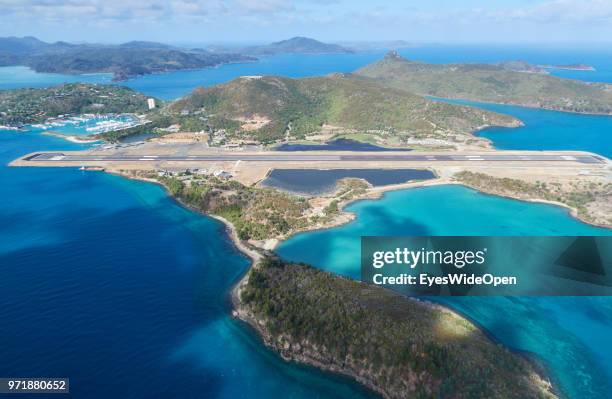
(19, 76)
(113, 284)
(110, 282)
(177, 84)
(548, 130)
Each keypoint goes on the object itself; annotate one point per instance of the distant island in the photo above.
(504, 83)
(570, 67)
(137, 58)
(524, 66)
(295, 45)
(123, 61)
(377, 45)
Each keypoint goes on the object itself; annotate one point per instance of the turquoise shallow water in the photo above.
(19, 76)
(566, 333)
(549, 130)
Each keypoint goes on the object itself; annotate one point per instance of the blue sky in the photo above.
(222, 21)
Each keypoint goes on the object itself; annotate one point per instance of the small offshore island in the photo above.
(305, 314)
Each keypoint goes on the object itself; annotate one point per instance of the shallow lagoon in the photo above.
(549, 327)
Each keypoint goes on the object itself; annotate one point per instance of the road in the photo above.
(293, 157)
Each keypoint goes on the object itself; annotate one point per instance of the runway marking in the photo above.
(357, 157)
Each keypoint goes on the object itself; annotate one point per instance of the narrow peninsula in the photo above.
(501, 83)
(396, 346)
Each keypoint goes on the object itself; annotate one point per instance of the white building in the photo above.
(151, 103)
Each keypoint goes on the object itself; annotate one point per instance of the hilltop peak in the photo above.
(394, 55)
(300, 39)
(297, 45)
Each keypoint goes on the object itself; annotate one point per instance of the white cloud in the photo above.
(262, 6)
(555, 12)
(348, 18)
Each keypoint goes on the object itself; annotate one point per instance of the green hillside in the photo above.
(298, 107)
(124, 60)
(296, 45)
(491, 83)
(24, 106)
(127, 61)
(399, 347)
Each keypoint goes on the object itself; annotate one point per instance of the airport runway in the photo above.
(293, 157)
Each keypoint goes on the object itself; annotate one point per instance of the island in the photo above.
(491, 83)
(570, 67)
(294, 45)
(213, 148)
(124, 61)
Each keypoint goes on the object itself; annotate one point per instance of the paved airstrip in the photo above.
(78, 158)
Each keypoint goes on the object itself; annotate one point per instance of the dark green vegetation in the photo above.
(591, 199)
(298, 44)
(128, 62)
(264, 109)
(25, 106)
(491, 83)
(124, 61)
(399, 347)
(256, 213)
(297, 107)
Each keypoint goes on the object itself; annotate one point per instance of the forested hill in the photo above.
(124, 60)
(267, 108)
(24, 106)
(296, 45)
(491, 83)
(398, 347)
